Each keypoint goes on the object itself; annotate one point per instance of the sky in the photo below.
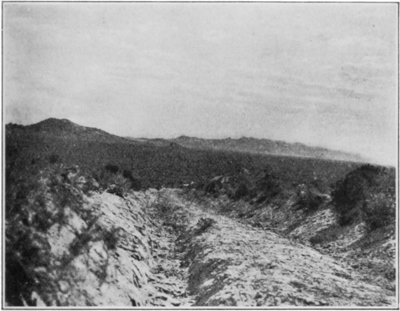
(320, 74)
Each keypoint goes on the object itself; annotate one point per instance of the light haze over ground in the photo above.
(320, 74)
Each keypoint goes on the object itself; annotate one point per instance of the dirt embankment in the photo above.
(159, 248)
(234, 264)
(123, 257)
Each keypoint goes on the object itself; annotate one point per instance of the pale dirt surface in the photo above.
(233, 264)
(174, 252)
(136, 273)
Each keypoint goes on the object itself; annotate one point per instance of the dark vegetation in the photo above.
(35, 202)
(122, 165)
(309, 200)
(38, 189)
(327, 235)
(203, 224)
(162, 166)
(367, 193)
(263, 146)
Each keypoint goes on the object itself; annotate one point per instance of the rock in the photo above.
(63, 286)
(80, 182)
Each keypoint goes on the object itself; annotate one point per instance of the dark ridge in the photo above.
(267, 146)
(68, 130)
(65, 129)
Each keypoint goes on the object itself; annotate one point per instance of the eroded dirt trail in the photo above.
(170, 278)
(233, 264)
(162, 248)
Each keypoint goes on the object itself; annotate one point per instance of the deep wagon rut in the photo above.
(172, 251)
(221, 262)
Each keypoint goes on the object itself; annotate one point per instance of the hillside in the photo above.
(257, 146)
(164, 225)
(168, 248)
(266, 146)
(156, 165)
(65, 129)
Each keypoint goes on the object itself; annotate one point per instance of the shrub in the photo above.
(119, 185)
(353, 215)
(117, 182)
(27, 219)
(110, 238)
(90, 185)
(241, 191)
(94, 233)
(316, 240)
(80, 242)
(308, 199)
(32, 207)
(326, 235)
(211, 188)
(379, 211)
(135, 182)
(366, 193)
(54, 158)
(349, 193)
(269, 185)
(112, 168)
(351, 189)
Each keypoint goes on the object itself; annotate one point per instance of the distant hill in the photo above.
(159, 142)
(259, 146)
(63, 128)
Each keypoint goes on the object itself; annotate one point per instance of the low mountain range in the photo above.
(257, 146)
(63, 128)
(66, 129)
(267, 146)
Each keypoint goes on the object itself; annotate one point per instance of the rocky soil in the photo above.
(169, 250)
(236, 264)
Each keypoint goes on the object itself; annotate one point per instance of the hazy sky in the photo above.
(321, 74)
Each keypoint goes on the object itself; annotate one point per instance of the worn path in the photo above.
(233, 264)
(161, 248)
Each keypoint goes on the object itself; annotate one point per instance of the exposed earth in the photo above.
(93, 219)
(174, 248)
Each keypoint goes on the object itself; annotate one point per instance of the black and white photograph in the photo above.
(193, 154)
